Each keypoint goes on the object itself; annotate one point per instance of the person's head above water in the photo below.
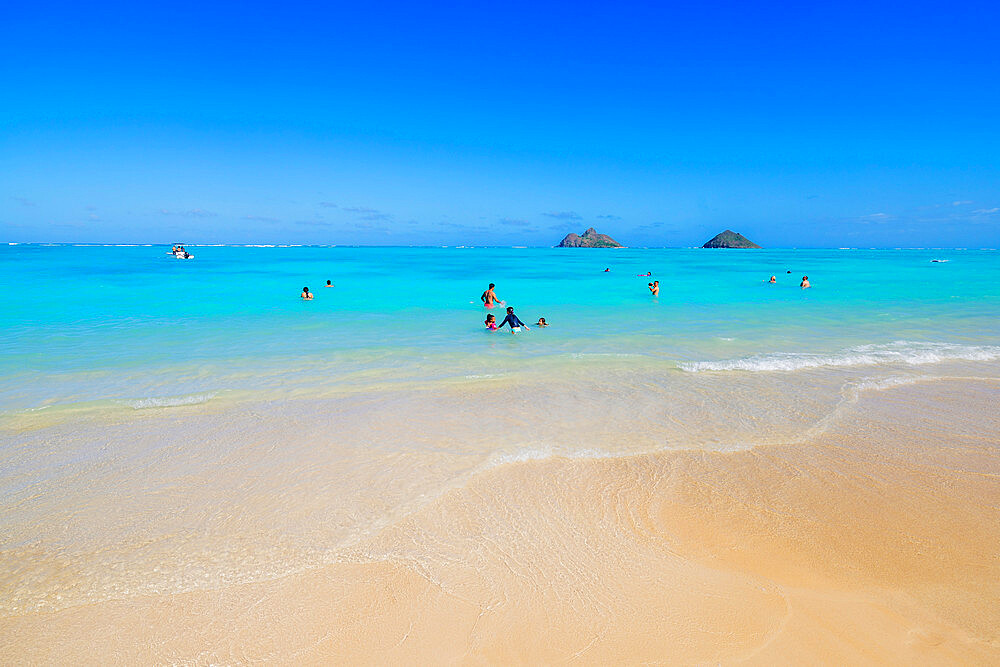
(492, 285)
(305, 289)
(328, 282)
(510, 309)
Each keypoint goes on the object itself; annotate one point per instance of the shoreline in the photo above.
(863, 544)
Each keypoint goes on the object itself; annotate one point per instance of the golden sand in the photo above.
(875, 542)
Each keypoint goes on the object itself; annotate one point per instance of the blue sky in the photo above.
(863, 124)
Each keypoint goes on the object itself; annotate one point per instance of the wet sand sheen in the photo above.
(874, 542)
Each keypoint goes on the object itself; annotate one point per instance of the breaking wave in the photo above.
(900, 352)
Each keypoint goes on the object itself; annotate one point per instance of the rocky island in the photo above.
(589, 239)
(730, 239)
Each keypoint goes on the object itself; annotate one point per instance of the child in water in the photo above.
(491, 322)
(306, 294)
(542, 322)
(513, 320)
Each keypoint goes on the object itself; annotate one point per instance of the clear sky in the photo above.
(803, 124)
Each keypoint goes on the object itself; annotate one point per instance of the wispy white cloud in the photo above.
(368, 213)
(564, 215)
(608, 216)
(877, 218)
(190, 213)
(963, 202)
(514, 222)
(986, 211)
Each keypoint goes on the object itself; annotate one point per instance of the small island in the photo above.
(730, 239)
(589, 239)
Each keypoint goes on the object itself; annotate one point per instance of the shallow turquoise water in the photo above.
(86, 325)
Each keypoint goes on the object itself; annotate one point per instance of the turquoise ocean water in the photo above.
(112, 327)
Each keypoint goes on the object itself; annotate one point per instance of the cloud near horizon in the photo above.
(564, 215)
(191, 213)
(368, 213)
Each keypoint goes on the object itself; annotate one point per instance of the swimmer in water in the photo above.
(329, 284)
(491, 322)
(654, 287)
(306, 294)
(513, 320)
(541, 322)
(607, 270)
(805, 283)
(490, 297)
(773, 280)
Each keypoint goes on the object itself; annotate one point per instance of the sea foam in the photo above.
(167, 401)
(899, 352)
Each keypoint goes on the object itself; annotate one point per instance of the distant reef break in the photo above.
(589, 239)
(730, 239)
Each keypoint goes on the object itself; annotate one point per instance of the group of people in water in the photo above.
(490, 300)
(179, 251)
(307, 295)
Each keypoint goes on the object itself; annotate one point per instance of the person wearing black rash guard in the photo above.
(513, 320)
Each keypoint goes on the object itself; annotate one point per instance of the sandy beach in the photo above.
(876, 542)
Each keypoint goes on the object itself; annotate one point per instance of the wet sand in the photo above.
(876, 541)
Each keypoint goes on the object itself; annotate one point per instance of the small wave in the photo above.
(167, 401)
(525, 454)
(899, 352)
(587, 355)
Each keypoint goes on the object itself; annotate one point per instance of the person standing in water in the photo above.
(306, 294)
(489, 297)
(513, 320)
(654, 287)
(805, 283)
(773, 280)
(329, 284)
